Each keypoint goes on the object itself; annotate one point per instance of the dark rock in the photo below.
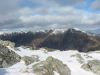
(71, 39)
(7, 57)
(29, 60)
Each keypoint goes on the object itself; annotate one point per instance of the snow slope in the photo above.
(65, 56)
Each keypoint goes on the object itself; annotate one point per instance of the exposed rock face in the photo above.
(23, 38)
(92, 65)
(28, 60)
(71, 39)
(79, 58)
(7, 57)
(49, 66)
(7, 43)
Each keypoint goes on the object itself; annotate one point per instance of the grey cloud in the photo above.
(7, 6)
(9, 14)
(60, 13)
(50, 11)
(72, 18)
(11, 24)
(45, 21)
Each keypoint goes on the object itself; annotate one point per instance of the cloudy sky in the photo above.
(19, 15)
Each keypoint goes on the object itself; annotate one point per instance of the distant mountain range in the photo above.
(52, 52)
(70, 39)
(96, 31)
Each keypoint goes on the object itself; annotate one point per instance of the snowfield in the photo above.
(67, 57)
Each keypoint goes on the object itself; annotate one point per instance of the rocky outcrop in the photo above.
(49, 66)
(28, 60)
(7, 43)
(92, 65)
(79, 58)
(7, 57)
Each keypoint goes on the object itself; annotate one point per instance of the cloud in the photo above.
(62, 20)
(8, 10)
(7, 6)
(44, 14)
(96, 5)
(50, 14)
(66, 10)
(67, 2)
(64, 17)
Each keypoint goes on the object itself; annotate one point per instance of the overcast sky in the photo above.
(19, 15)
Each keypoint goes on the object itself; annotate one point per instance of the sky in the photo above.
(23, 15)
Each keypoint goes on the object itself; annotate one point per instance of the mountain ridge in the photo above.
(72, 38)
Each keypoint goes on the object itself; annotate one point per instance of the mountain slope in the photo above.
(72, 39)
(63, 40)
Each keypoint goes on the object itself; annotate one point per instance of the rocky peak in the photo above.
(7, 57)
(75, 30)
(50, 65)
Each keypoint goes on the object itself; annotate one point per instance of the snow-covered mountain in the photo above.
(55, 31)
(72, 38)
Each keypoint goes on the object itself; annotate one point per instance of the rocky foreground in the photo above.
(7, 56)
(23, 61)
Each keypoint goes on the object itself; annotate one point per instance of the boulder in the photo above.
(29, 60)
(51, 65)
(7, 43)
(7, 57)
(92, 65)
(79, 58)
